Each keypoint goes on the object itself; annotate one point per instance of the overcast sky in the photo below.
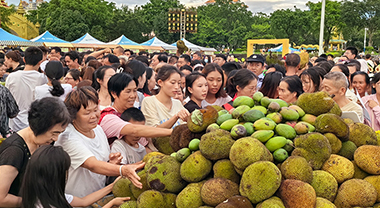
(266, 6)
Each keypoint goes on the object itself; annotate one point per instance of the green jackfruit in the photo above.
(348, 149)
(324, 184)
(315, 103)
(151, 198)
(225, 169)
(195, 168)
(314, 147)
(356, 193)
(340, 167)
(297, 168)
(190, 196)
(297, 194)
(137, 191)
(122, 188)
(335, 142)
(246, 151)
(362, 134)
(331, 123)
(367, 157)
(164, 175)
(260, 181)
(236, 202)
(217, 190)
(324, 203)
(201, 119)
(273, 202)
(216, 145)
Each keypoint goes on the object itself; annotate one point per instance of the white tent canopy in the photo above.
(88, 41)
(194, 47)
(157, 42)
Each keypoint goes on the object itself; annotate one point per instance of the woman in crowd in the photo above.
(72, 77)
(196, 90)
(270, 84)
(87, 73)
(361, 83)
(8, 109)
(48, 117)
(243, 83)
(276, 67)
(139, 73)
(13, 61)
(101, 77)
(290, 88)
(150, 82)
(45, 180)
(54, 72)
(215, 78)
(371, 103)
(162, 110)
(122, 88)
(3, 71)
(310, 80)
(88, 148)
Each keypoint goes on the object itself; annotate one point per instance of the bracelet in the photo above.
(121, 173)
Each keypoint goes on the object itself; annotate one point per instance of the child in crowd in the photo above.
(196, 90)
(129, 146)
(45, 179)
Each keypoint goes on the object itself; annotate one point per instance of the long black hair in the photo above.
(149, 74)
(45, 178)
(54, 72)
(99, 74)
(242, 78)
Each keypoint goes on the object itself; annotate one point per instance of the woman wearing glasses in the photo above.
(72, 77)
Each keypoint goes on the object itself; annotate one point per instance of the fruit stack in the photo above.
(262, 154)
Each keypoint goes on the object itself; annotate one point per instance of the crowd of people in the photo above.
(75, 121)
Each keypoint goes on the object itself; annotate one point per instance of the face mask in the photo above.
(206, 60)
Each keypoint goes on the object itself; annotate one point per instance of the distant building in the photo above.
(18, 24)
(31, 5)
(234, 1)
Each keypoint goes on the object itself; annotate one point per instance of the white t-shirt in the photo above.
(69, 198)
(22, 84)
(130, 154)
(44, 91)
(82, 181)
(157, 113)
(220, 101)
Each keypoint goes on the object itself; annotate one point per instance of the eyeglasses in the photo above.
(68, 78)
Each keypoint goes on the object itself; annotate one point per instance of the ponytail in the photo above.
(54, 72)
(57, 88)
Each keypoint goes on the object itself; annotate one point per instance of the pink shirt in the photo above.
(112, 126)
(374, 113)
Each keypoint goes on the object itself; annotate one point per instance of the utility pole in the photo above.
(321, 29)
(365, 38)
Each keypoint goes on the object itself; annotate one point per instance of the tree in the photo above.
(155, 15)
(71, 19)
(5, 12)
(293, 24)
(224, 22)
(362, 14)
(333, 20)
(261, 28)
